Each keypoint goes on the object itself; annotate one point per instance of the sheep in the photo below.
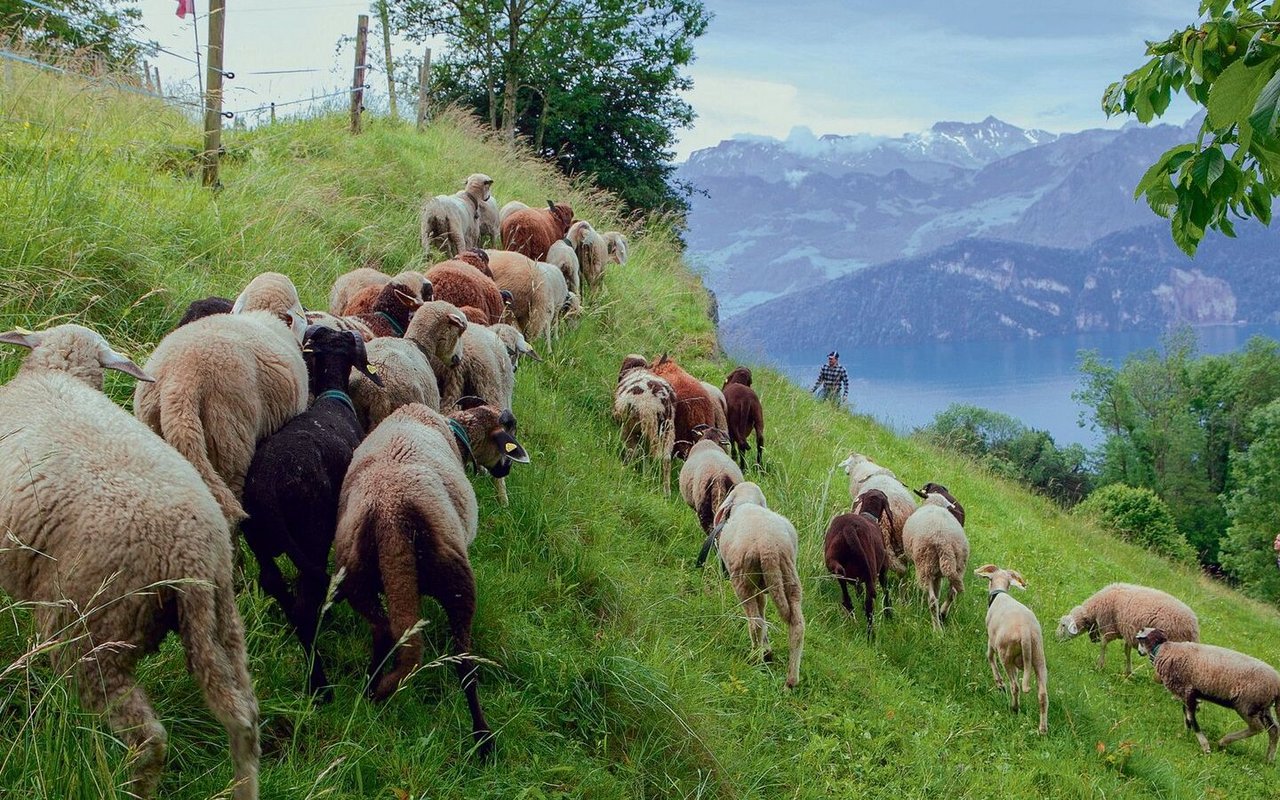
(199, 309)
(645, 407)
(349, 284)
(859, 468)
(744, 414)
(1120, 610)
(291, 488)
(556, 295)
(274, 292)
(532, 231)
(1193, 672)
(517, 346)
(406, 377)
(693, 405)
(349, 324)
(391, 311)
(478, 258)
(1014, 639)
(936, 488)
(875, 503)
(474, 315)
(363, 301)
(437, 328)
(719, 406)
(565, 258)
(854, 551)
(406, 517)
(116, 537)
(616, 244)
(936, 544)
(899, 499)
(462, 284)
(490, 224)
(222, 384)
(707, 477)
(532, 307)
(508, 209)
(758, 550)
(592, 252)
(487, 372)
(451, 222)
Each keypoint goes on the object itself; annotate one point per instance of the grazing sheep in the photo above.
(222, 384)
(461, 284)
(875, 503)
(592, 252)
(274, 292)
(349, 324)
(744, 415)
(645, 406)
(707, 477)
(532, 307)
(758, 550)
(859, 468)
(451, 222)
(199, 309)
(556, 295)
(1120, 610)
(292, 486)
(406, 518)
(490, 224)
(117, 541)
(616, 244)
(531, 231)
(363, 301)
(562, 255)
(1193, 672)
(406, 377)
(487, 372)
(1014, 639)
(693, 405)
(936, 544)
(719, 406)
(855, 553)
(572, 310)
(936, 488)
(508, 209)
(392, 309)
(517, 346)
(900, 500)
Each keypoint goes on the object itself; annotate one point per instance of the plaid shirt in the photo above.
(833, 378)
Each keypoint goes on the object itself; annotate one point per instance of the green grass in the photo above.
(617, 670)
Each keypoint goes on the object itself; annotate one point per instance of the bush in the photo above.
(1139, 516)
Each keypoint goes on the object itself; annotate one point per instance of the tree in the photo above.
(1229, 63)
(1247, 549)
(101, 27)
(593, 84)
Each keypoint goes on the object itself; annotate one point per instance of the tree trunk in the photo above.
(511, 87)
(542, 124)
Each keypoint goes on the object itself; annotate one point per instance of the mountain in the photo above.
(778, 216)
(994, 289)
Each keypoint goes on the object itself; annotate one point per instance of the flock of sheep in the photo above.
(669, 413)
(348, 434)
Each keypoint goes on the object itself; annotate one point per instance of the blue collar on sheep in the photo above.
(464, 442)
(1151, 654)
(991, 595)
(395, 326)
(339, 395)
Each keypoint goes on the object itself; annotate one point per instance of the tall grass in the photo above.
(616, 669)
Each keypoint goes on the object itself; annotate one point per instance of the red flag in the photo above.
(185, 6)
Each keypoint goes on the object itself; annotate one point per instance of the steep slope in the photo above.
(617, 670)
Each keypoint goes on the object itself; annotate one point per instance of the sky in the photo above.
(834, 66)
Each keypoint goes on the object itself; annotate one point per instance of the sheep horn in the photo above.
(923, 494)
(551, 204)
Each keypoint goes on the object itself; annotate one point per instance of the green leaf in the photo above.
(1266, 110)
(1232, 96)
(1161, 169)
(1208, 167)
(1260, 203)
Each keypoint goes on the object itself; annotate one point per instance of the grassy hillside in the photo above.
(617, 670)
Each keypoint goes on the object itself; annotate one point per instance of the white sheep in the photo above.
(565, 258)
(223, 383)
(490, 224)
(557, 296)
(708, 473)
(532, 307)
(859, 468)
(1193, 672)
(758, 549)
(406, 377)
(936, 544)
(451, 222)
(117, 541)
(275, 293)
(719, 406)
(616, 244)
(645, 406)
(593, 253)
(1120, 610)
(1014, 639)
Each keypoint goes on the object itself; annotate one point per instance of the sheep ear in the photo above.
(458, 321)
(531, 353)
(921, 493)
(551, 204)
(21, 337)
(110, 359)
(986, 570)
(1017, 579)
(238, 305)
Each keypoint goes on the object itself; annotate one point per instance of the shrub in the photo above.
(1139, 516)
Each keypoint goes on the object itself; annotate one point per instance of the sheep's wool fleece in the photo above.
(1217, 673)
(97, 497)
(1126, 608)
(751, 527)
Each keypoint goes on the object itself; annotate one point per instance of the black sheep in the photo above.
(207, 307)
(292, 487)
(854, 550)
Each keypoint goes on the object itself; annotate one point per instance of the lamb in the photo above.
(406, 377)
(451, 222)
(532, 306)
(1014, 639)
(1193, 672)
(532, 231)
(758, 550)
(592, 251)
(222, 384)
(508, 209)
(854, 550)
(693, 405)
(363, 301)
(645, 406)
(116, 538)
(707, 477)
(616, 245)
(199, 309)
(273, 292)
(291, 488)
(406, 518)
(936, 488)
(937, 546)
(565, 258)
(744, 414)
(462, 284)
(1120, 610)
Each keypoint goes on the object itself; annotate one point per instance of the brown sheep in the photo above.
(955, 508)
(532, 231)
(474, 315)
(477, 258)
(460, 283)
(855, 551)
(693, 406)
(362, 301)
(391, 311)
(744, 415)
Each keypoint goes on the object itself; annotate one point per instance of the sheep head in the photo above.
(852, 461)
(632, 361)
(1073, 624)
(740, 375)
(436, 328)
(876, 503)
(745, 493)
(1148, 639)
(998, 578)
(329, 353)
(479, 185)
(492, 436)
(562, 213)
(73, 349)
(708, 433)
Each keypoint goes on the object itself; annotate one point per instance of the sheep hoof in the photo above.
(1044, 729)
(791, 684)
(484, 746)
(768, 656)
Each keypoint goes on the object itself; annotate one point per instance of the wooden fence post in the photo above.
(424, 91)
(273, 113)
(146, 75)
(357, 80)
(384, 17)
(159, 88)
(213, 97)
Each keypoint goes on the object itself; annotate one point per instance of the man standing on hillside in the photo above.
(833, 379)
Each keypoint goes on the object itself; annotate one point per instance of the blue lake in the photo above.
(905, 387)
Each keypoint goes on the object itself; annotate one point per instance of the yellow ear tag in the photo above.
(372, 369)
(511, 447)
(23, 331)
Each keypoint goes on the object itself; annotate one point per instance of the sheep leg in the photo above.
(995, 668)
(1128, 660)
(1011, 669)
(1102, 655)
(1189, 714)
(884, 588)
(454, 586)
(869, 607)
(1042, 690)
(311, 596)
(934, 611)
(759, 452)
(501, 485)
(1255, 727)
(844, 591)
(753, 604)
(273, 583)
(399, 565)
(795, 642)
(107, 684)
(367, 605)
